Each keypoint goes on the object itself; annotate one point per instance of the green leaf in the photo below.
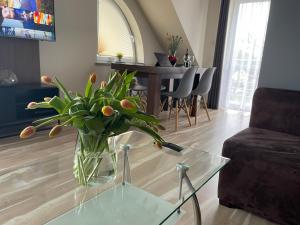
(95, 124)
(147, 130)
(79, 95)
(119, 126)
(119, 83)
(78, 123)
(48, 121)
(67, 107)
(127, 79)
(145, 117)
(56, 117)
(77, 107)
(79, 113)
(95, 108)
(99, 93)
(57, 104)
(111, 81)
(88, 89)
(63, 90)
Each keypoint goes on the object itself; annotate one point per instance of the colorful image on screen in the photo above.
(31, 19)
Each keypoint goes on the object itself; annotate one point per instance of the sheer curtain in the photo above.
(243, 52)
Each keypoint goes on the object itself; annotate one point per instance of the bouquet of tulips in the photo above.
(100, 113)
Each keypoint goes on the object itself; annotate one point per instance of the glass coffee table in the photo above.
(151, 187)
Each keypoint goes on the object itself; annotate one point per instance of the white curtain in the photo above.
(243, 52)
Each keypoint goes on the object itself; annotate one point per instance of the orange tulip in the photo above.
(107, 110)
(32, 105)
(28, 132)
(55, 131)
(103, 84)
(125, 104)
(93, 78)
(46, 80)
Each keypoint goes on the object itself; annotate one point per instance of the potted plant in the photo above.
(100, 114)
(174, 42)
(119, 56)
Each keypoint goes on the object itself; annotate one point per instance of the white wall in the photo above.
(163, 19)
(72, 57)
(280, 64)
(73, 54)
(211, 32)
(193, 18)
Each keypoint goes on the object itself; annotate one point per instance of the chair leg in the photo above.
(206, 110)
(177, 116)
(170, 108)
(187, 112)
(162, 104)
(195, 99)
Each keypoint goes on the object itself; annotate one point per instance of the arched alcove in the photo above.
(118, 31)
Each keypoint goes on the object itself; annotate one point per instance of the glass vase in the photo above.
(95, 160)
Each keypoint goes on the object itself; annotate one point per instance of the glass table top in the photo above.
(49, 194)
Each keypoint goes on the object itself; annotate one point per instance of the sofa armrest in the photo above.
(277, 110)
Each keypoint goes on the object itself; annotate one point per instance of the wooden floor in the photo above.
(207, 136)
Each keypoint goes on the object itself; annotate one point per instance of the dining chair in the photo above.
(139, 88)
(202, 90)
(180, 95)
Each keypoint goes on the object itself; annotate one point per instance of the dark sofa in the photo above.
(263, 176)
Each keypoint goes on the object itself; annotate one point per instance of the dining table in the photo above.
(155, 76)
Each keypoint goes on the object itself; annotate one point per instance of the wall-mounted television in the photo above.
(30, 19)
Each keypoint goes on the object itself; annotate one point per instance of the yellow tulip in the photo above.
(107, 110)
(28, 132)
(47, 99)
(103, 84)
(46, 79)
(93, 78)
(125, 104)
(32, 105)
(55, 131)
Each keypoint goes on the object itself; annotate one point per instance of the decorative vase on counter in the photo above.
(174, 43)
(95, 159)
(173, 59)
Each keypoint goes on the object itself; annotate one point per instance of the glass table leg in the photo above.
(126, 166)
(182, 168)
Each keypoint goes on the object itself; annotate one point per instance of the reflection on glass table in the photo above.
(150, 188)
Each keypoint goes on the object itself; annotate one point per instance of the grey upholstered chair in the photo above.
(180, 95)
(139, 88)
(202, 90)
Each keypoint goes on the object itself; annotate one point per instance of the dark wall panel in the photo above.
(22, 57)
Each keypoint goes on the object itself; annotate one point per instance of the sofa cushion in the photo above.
(277, 110)
(263, 176)
(263, 140)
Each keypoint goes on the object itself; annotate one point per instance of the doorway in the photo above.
(245, 40)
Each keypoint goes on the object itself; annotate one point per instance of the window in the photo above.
(243, 53)
(114, 33)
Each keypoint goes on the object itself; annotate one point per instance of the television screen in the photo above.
(31, 19)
